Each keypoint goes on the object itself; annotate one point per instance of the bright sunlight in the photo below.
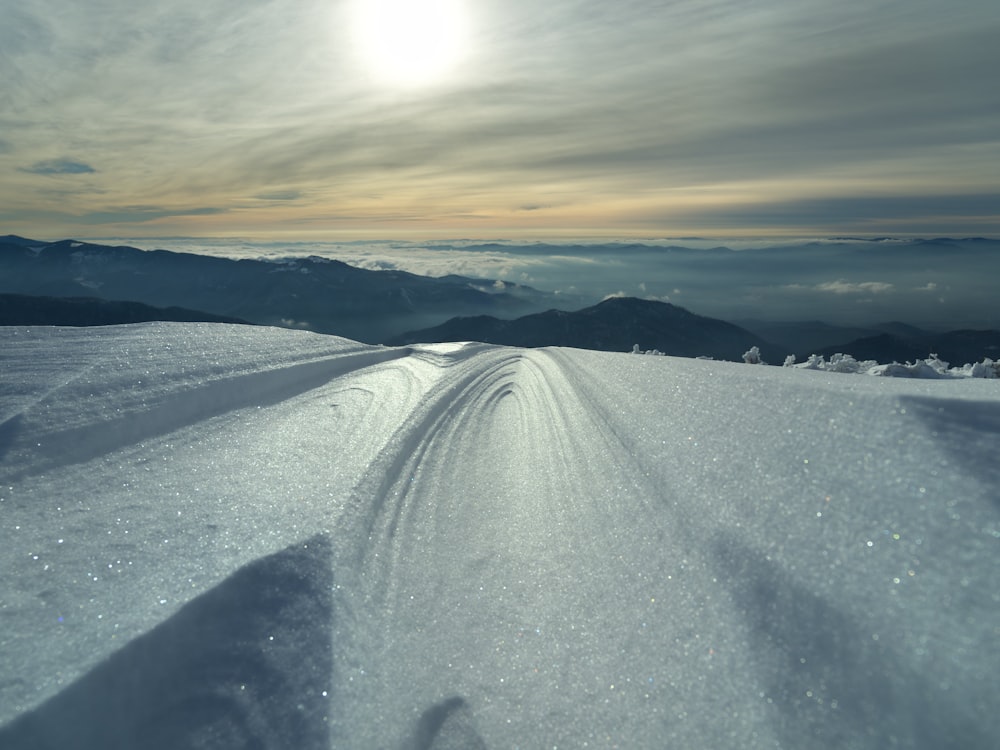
(411, 42)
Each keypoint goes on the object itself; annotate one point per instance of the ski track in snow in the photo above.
(521, 548)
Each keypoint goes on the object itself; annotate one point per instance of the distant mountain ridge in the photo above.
(883, 342)
(80, 283)
(956, 347)
(616, 324)
(13, 239)
(318, 294)
(24, 310)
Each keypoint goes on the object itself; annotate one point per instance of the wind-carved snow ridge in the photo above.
(153, 414)
(472, 546)
(471, 525)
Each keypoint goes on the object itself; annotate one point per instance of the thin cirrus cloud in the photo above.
(575, 116)
(59, 166)
(144, 214)
(862, 287)
(280, 195)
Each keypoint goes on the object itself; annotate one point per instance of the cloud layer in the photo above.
(940, 285)
(577, 117)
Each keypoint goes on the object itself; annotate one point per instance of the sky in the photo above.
(356, 119)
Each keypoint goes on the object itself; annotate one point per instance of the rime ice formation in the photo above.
(218, 536)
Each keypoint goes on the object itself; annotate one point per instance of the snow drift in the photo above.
(218, 536)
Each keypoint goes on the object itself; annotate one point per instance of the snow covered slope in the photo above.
(217, 536)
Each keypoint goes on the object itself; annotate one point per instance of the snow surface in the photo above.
(223, 537)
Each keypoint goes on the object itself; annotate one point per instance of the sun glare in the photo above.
(410, 42)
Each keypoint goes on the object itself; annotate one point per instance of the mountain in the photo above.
(902, 330)
(806, 337)
(13, 239)
(957, 347)
(222, 537)
(24, 310)
(616, 324)
(313, 293)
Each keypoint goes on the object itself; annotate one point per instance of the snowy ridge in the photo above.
(258, 537)
(142, 412)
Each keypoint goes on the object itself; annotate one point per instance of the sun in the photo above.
(411, 42)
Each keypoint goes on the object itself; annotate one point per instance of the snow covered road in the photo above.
(219, 536)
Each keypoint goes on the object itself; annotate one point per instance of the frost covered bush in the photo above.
(985, 369)
(931, 368)
(654, 352)
(837, 363)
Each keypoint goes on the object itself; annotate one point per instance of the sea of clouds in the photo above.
(940, 285)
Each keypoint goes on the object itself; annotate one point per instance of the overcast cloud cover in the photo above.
(571, 117)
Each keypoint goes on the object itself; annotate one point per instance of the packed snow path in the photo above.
(222, 537)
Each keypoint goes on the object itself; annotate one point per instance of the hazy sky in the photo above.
(490, 118)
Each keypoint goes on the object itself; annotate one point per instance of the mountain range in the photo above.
(956, 347)
(318, 294)
(616, 324)
(80, 283)
(883, 342)
(26, 310)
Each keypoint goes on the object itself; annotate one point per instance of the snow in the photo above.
(931, 368)
(221, 536)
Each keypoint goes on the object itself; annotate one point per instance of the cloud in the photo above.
(843, 282)
(570, 118)
(931, 213)
(280, 195)
(59, 166)
(845, 287)
(889, 83)
(140, 214)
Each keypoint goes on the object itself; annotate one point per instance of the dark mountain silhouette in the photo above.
(312, 293)
(902, 330)
(616, 324)
(24, 310)
(803, 338)
(956, 347)
(13, 239)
